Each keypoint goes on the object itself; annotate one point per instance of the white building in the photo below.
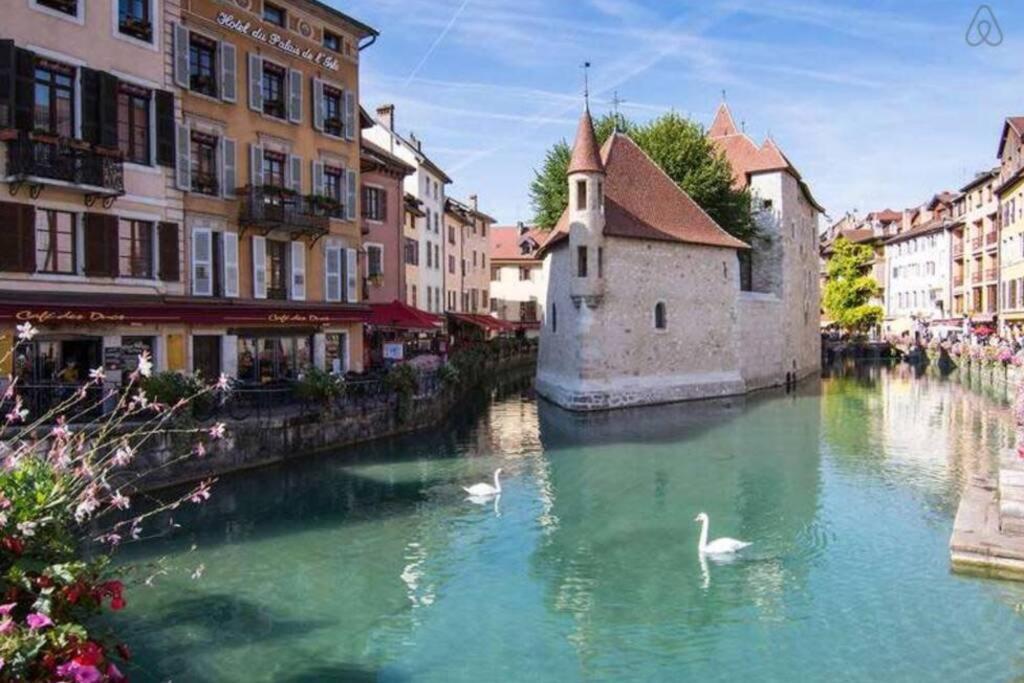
(519, 280)
(427, 184)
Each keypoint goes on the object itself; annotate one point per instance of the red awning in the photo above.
(401, 316)
(487, 322)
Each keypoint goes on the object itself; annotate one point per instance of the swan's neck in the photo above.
(703, 535)
(497, 483)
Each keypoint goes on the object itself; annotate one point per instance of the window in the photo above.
(334, 185)
(581, 195)
(136, 250)
(412, 302)
(55, 98)
(332, 42)
(374, 199)
(528, 311)
(273, 169)
(133, 19)
(374, 260)
(451, 264)
(202, 63)
(554, 318)
(272, 359)
(437, 223)
(273, 14)
(69, 7)
(525, 274)
(412, 257)
(204, 164)
(600, 261)
(660, 323)
(55, 242)
(277, 269)
(133, 123)
(495, 274)
(334, 123)
(451, 234)
(581, 261)
(273, 90)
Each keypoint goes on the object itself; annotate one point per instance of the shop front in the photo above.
(397, 332)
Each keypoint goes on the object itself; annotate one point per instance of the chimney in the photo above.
(386, 116)
(473, 202)
(522, 228)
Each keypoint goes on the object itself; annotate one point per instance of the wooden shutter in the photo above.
(318, 178)
(90, 105)
(19, 252)
(24, 90)
(202, 262)
(183, 166)
(169, 252)
(165, 128)
(332, 273)
(228, 72)
(318, 104)
(8, 71)
(109, 86)
(255, 82)
(181, 49)
(295, 96)
(350, 114)
(230, 242)
(259, 267)
(351, 295)
(295, 173)
(255, 165)
(350, 195)
(101, 236)
(229, 152)
(298, 264)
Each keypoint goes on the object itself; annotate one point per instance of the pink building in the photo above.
(382, 222)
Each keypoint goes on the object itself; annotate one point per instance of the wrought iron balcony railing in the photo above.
(37, 158)
(273, 208)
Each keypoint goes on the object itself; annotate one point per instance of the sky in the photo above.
(878, 104)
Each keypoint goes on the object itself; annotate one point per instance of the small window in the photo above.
(273, 14)
(581, 195)
(660, 322)
(136, 252)
(554, 318)
(69, 7)
(600, 261)
(333, 122)
(55, 242)
(133, 123)
(273, 90)
(374, 260)
(204, 164)
(202, 62)
(134, 19)
(581, 261)
(332, 42)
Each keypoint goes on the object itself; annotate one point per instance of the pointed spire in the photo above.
(586, 156)
(723, 124)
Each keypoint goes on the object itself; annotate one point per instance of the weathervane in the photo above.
(586, 84)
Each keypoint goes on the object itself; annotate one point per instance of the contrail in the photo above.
(437, 41)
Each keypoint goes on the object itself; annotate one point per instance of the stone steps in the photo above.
(1011, 501)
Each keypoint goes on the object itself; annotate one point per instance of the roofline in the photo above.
(423, 158)
(912, 233)
(980, 178)
(338, 14)
(390, 159)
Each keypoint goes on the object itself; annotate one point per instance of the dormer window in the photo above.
(273, 14)
(332, 42)
(581, 195)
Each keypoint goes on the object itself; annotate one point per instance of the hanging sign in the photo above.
(261, 34)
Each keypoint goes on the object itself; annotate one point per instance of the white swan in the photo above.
(485, 489)
(719, 546)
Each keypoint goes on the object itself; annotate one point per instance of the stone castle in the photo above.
(650, 301)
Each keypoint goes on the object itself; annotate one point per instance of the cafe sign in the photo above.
(246, 28)
(47, 316)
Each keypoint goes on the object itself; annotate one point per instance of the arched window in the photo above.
(660, 321)
(554, 318)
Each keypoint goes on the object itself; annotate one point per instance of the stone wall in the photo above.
(762, 343)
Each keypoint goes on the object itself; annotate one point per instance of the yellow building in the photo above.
(1010, 191)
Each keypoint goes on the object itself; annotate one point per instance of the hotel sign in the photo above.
(261, 34)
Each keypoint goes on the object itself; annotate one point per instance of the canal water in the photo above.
(371, 564)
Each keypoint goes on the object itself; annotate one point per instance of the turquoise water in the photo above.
(370, 564)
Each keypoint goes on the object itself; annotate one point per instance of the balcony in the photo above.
(958, 280)
(976, 277)
(991, 274)
(273, 208)
(958, 249)
(39, 160)
(991, 238)
(976, 244)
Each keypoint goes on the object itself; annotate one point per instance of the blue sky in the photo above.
(879, 104)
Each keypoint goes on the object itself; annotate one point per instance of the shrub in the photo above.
(449, 375)
(319, 386)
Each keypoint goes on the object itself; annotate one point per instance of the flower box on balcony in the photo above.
(137, 28)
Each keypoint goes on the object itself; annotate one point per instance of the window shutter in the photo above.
(90, 105)
(202, 262)
(228, 72)
(259, 267)
(169, 253)
(181, 49)
(108, 110)
(183, 169)
(164, 128)
(318, 104)
(255, 165)
(24, 90)
(8, 64)
(298, 271)
(350, 276)
(350, 195)
(295, 173)
(332, 273)
(255, 82)
(19, 257)
(229, 174)
(318, 178)
(382, 202)
(350, 114)
(100, 245)
(294, 96)
(230, 264)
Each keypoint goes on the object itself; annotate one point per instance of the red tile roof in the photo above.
(505, 243)
(885, 215)
(642, 202)
(585, 154)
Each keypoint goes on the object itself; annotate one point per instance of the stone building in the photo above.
(644, 298)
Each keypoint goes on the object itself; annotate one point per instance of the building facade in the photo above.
(383, 221)
(467, 273)
(427, 184)
(518, 278)
(1009, 189)
(919, 261)
(412, 221)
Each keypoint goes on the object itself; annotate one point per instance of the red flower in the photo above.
(117, 603)
(73, 593)
(44, 582)
(12, 545)
(89, 654)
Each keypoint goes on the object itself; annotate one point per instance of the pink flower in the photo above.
(80, 673)
(38, 621)
(120, 501)
(6, 609)
(6, 626)
(201, 493)
(217, 431)
(115, 674)
(223, 383)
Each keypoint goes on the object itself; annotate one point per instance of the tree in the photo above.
(677, 145)
(849, 289)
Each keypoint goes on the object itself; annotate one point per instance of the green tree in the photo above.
(849, 288)
(679, 146)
